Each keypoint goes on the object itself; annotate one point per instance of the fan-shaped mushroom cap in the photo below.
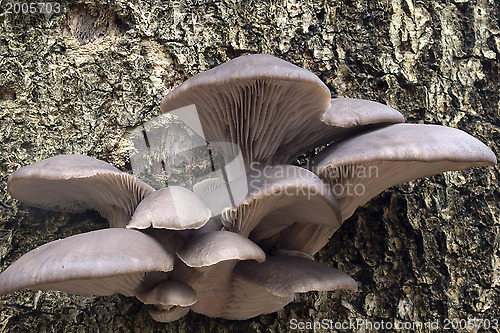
(169, 293)
(351, 112)
(286, 275)
(101, 262)
(279, 196)
(213, 247)
(307, 239)
(210, 258)
(259, 288)
(269, 286)
(173, 207)
(267, 106)
(75, 183)
(359, 168)
(271, 109)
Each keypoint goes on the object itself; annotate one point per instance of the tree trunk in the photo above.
(79, 80)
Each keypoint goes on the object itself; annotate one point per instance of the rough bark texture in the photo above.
(80, 80)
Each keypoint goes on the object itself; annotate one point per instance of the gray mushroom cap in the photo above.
(279, 196)
(286, 275)
(259, 102)
(369, 163)
(75, 183)
(210, 248)
(258, 288)
(271, 109)
(101, 262)
(173, 207)
(209, 258)
(169, 293)
(351, 112)
(269, 286)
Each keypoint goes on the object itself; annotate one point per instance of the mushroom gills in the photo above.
(75, 183)
(258, 102)
(279, 196)
(171, 298)
(359, 168)
(101, 262)
(258, 288)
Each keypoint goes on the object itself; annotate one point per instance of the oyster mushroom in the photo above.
(258, 288)
(283, 197)
(214, 247)
(272, 110)
(260, 112)
(209, 258)
(360, 167)
(172, 299)
(75, 183)
(101, 262)
(354, 113)
(173, 208)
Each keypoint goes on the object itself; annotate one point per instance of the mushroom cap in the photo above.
(286, 275)
(258, 288)
(237, 300)
(351, 112)
(101, 262)
(279, 196)
(75, 183)
(303, 238)
(359, 168)
(169, 293)
(269, 286)
(173, 207)
(207, 259)
(210, 248)
(271, 109)
(268, 107)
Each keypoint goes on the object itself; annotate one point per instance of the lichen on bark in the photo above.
(80, 80)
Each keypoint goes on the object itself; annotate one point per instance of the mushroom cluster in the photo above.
(191, 249)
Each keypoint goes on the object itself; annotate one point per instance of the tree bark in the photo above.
(78, 81)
